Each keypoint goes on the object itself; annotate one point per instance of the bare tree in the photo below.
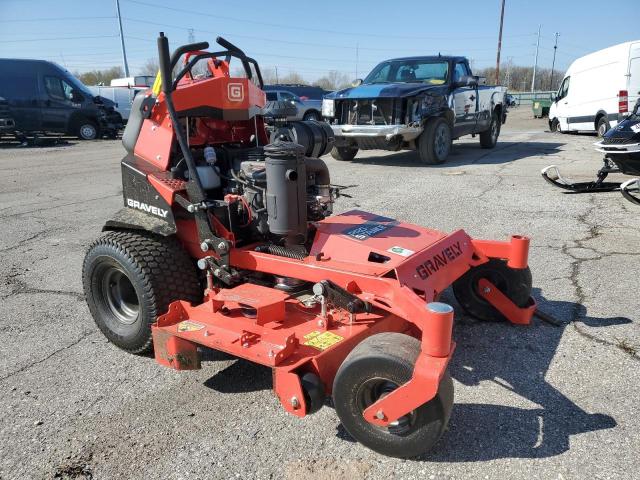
(99, 77)
(334, 80)
(150, 67)
(293, 77)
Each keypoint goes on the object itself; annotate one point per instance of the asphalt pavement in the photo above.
(544, 401)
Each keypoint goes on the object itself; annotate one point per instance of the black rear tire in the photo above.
(130, 278)
(555, 126)
(489, 138)
(344, 154)
(514, 283)
(377, 366)
(434, 144)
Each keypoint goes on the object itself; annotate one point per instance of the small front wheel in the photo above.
(516, 284)
(377, 366)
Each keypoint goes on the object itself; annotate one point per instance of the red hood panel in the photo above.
(363, 241)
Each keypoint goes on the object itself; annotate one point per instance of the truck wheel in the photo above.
(344, 153)
(130, 278)
(434, 144)
(311, 115)
(489, 137)
(377, 366)
(87, 130)
(603, 126)
(514, 283)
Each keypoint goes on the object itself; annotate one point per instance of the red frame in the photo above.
(274, 334)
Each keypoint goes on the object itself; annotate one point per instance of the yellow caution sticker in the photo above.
(189, 326)
(323, 340)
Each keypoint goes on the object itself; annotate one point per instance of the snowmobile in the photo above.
(621, 148)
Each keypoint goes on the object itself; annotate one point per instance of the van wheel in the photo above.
(555, 126)
(603, 126)
(87, 130)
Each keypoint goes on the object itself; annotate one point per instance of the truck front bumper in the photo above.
(386, 132)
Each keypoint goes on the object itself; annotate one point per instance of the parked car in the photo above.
(7, 124)
(45, 97)
(306, 109)
(511, 100)
(416, 103)
(305, 92)
(597, 90)
(122, 97)
(137, 81)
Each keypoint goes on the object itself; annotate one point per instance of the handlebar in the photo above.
(168, 62)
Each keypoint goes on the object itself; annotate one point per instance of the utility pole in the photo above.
(192, 37)
(277, 81)
(499, 45)
(124, 53)
(357, 54)
(553, 64)
(535, 62)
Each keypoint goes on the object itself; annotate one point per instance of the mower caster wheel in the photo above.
(313, 390)
(130, 278)
(514, 283)
(377, 366)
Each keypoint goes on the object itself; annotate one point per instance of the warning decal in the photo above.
(189, 326)
(405, 252)
(322, 341)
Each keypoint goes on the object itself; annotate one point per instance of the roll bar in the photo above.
(168, 62)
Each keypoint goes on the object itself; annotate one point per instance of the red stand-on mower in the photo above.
(227, 241)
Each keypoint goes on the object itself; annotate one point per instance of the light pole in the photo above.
(499, 45)
(535, 62)
(553, 64)
(124, 53)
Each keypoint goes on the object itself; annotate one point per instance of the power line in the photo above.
(54, 19)
(307, 29)
(57, 38)
(287, 42)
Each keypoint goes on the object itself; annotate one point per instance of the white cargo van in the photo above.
(597, 90)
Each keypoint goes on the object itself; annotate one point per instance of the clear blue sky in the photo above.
(314, 37)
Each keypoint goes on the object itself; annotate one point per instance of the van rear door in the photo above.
(19, 86)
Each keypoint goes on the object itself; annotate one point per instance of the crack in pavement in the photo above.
(593, 231)
(55, 352)
(20, 287)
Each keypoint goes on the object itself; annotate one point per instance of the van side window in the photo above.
(564, 88)
(57, 88)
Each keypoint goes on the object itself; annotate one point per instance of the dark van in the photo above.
(44, 97)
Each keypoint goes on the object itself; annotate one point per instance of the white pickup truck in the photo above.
(415, 103)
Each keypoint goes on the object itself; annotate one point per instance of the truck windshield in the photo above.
(410, 71)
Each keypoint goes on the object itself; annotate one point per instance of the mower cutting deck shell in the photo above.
(337, 305)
